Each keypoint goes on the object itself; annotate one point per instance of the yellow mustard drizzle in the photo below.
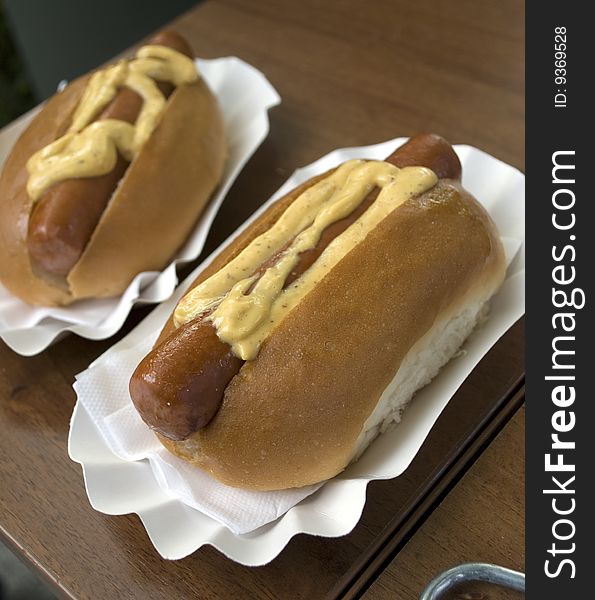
(91, 149)
(244, 320)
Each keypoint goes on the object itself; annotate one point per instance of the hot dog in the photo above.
(179, 386)
(255, 410)
(61, 225)
(87, 235)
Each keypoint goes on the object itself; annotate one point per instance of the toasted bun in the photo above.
(150, 214)
(398, 305)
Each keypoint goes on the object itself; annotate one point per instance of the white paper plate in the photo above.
(157, 489)
(245, 96)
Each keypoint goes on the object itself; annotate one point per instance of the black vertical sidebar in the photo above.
(560, 441)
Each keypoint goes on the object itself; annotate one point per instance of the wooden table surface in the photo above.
(349, 73)
(481, 520)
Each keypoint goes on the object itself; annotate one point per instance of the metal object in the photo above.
(473, 572)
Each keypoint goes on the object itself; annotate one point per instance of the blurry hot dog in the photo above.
(88, 233)
(61, 224)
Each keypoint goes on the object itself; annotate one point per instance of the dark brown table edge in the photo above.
(399, 531)
(34, 566)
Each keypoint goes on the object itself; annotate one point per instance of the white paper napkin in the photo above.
(103, 388)
(244, 95)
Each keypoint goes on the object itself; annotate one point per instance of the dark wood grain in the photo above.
(481, 520)
(350, 73)
(409, 517)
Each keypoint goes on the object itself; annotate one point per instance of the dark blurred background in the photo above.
(45, 41)
(16, 95)
(41, 43)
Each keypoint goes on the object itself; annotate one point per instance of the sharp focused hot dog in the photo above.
(110, 177)
(179, 386)
(309, 333)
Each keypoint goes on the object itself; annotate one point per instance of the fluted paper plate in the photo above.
(116, 486)
(244, 95)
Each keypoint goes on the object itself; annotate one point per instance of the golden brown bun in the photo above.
(259, 226)
(294, 415)
(149, 216)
